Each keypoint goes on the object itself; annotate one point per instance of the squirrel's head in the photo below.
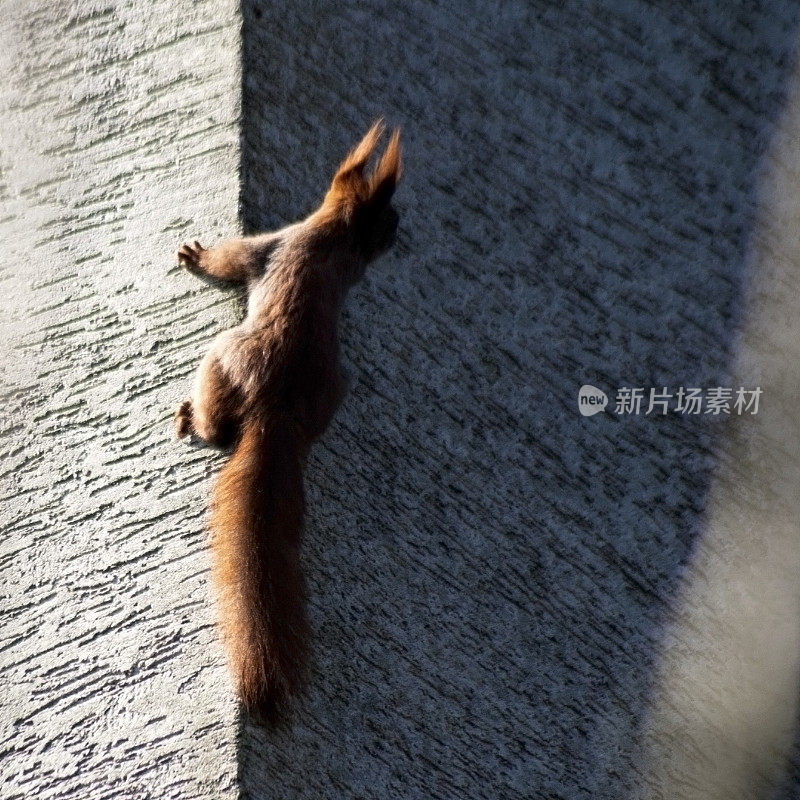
(361, 202)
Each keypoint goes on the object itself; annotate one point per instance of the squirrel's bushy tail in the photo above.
(256, 519)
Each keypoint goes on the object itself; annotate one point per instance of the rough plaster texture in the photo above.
(119, 136)
(490, 573)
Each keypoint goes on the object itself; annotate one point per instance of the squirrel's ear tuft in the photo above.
(349, 178)
(388, 172)
(351, 189)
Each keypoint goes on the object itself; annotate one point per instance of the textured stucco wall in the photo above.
(119, 137)
(490, 573)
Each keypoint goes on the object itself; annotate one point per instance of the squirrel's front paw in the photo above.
(183, 419)
(190, 256)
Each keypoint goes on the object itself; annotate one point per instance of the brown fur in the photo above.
(271, 386)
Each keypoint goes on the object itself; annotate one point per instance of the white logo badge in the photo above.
(591, 400)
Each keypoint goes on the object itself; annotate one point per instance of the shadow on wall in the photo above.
(489, 571)
(729, 671)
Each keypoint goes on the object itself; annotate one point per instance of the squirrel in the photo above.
(269, 388)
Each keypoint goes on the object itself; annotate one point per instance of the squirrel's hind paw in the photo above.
(183, 419)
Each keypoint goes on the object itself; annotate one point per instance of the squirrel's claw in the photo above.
(190, 255)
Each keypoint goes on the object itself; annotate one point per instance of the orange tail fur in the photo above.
(256, 521)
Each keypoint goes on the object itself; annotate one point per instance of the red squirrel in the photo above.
(270, 387)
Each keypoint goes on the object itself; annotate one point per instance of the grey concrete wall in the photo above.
(490, 573)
